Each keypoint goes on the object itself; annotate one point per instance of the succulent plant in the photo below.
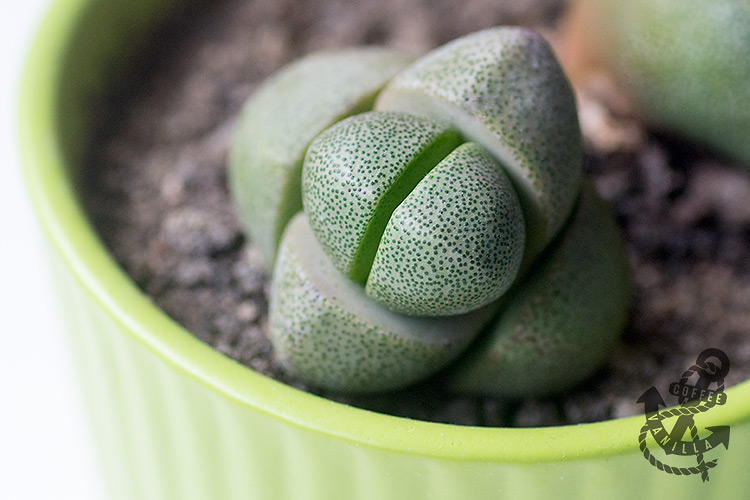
(434, 223)
(684, 65)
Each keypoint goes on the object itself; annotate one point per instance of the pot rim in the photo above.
(74, 240)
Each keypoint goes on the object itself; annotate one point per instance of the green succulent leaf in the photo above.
(283, 117)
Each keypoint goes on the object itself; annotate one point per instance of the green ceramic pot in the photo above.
(177, 420)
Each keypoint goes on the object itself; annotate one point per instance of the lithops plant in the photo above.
(425, 217)
(683, 64)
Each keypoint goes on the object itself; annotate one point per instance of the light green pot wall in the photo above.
(174, 419)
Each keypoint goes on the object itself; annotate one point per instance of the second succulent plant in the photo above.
(683, 65)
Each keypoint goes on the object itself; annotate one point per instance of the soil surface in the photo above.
(157, 195)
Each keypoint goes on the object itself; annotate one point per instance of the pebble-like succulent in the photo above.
(683, 64)
(442, 217)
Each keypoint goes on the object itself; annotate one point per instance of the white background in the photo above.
(45, 451)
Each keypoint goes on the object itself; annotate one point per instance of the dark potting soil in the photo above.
(157, 195)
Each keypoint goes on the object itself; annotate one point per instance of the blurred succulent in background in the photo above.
(683, 65)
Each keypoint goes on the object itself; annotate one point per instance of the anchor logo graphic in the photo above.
(695, 396)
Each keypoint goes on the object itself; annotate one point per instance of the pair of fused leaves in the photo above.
(466, 171)
(432, 226)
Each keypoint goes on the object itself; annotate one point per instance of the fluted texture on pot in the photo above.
(164, 434)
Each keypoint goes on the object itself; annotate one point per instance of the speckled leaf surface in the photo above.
(283, 117)
(358, 171)
(327, 332)
(455, 243)
(560, 324)
(504, 89)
